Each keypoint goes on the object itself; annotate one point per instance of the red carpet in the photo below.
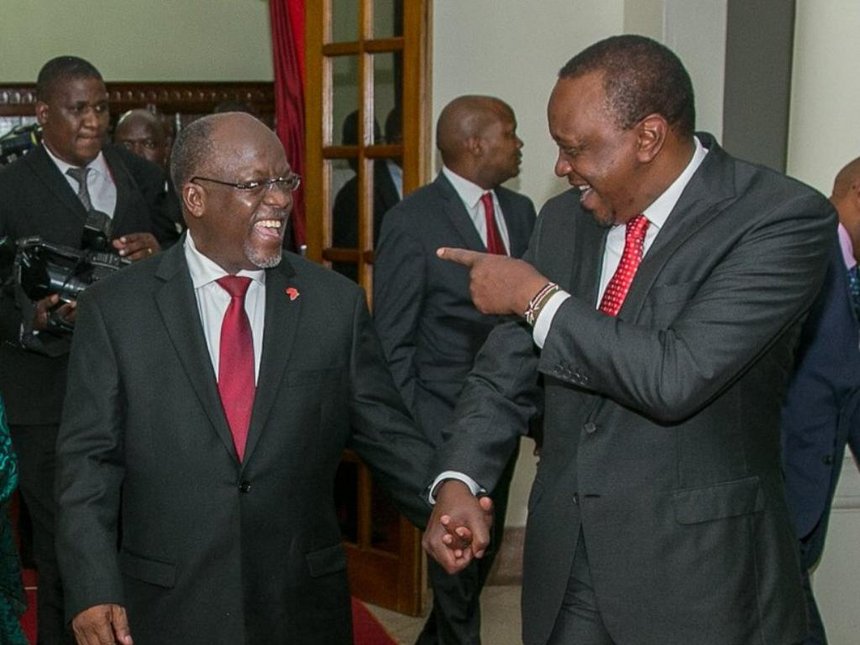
(366, 629)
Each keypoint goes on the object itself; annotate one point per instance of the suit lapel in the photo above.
(456, 213)
(178, 308)
(586, 261)
(45, 168)
(124, 186)
(283, 309)
(704, 197)
(518, 232)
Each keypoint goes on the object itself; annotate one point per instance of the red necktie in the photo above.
(236, 362)
(495, 243)
(619, 285)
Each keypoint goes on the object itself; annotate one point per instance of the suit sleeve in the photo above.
(501, 396)
(754, 294)
(384, 434)
(90, 467)
(398, 295)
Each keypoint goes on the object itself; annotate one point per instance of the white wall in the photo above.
(514, 50)
(154, 40)
(825, 91)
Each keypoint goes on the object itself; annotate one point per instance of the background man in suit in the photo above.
(846, 199)
(430, 330)
(821, 412)
(143, 133)
(39, 197)
(658, 511)
(223, 489)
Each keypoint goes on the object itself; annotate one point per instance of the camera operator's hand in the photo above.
(50, 307)
(136, 246)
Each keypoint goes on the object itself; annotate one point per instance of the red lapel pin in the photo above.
(292, 292)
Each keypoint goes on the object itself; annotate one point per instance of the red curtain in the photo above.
(287, 18)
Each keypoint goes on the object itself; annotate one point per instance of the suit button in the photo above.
(244, 487)
(576, 498)
(590, 427)
(827, 460)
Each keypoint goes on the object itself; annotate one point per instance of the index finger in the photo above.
(460, 256)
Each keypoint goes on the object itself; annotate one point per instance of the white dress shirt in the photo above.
(213, 300)
(100, 182)
(470, 194)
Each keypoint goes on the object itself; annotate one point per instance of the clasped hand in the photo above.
(459, 527)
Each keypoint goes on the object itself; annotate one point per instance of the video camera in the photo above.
(19, 141)
(43, 269)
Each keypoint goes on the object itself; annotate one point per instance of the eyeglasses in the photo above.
(288, 183)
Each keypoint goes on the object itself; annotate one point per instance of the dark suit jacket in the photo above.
(429, 328)
(35, 199)
(345, 213)
(212, 550)
(661, 427)
(822, 408)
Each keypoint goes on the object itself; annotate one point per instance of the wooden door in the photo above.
(366, 65)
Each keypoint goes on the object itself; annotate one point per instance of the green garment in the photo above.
(12, 599)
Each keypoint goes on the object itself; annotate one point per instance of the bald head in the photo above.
(208, 144)
(142, 132)
(476, 137)
(233, 175)
(846, 200)
(848, 176)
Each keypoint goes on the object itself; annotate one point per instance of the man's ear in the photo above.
(475, 146)
(42, 110)
(194, 200)
(651, 135)
(855, 194)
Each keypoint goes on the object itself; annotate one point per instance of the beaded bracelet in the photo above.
(539, 300)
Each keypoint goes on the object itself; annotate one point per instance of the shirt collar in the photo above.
(658, 212)
(203, 270)
(468, 191)
(847, 247)
(97, 165)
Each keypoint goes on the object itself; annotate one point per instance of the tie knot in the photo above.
(487, 201)
(78, 174)
(235, 285)
(637, 227)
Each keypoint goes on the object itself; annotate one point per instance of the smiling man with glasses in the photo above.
(214, 390)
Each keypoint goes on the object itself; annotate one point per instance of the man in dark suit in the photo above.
(821, 413)
(428, 326)
(386, 193)
(143, 133)
(39, 198)
(664, 342)
(195, 508)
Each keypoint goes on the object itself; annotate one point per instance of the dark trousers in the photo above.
(35, 447)
(456, 615)
(579, 620)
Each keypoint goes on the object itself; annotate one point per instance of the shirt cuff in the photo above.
(547, 313)
(452, 474)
